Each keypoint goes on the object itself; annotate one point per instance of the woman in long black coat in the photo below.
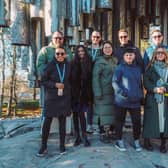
(81, 78)
(56, 80)
(156, 100)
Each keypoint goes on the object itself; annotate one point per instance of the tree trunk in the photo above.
(34, 93)
(15, 95)
(13, 74)
(2, 73)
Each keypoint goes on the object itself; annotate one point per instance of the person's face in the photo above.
(60, 54)
(107, 49)
(160, 55)
(81, 52)
(95, 38)
(57, 39)
(157, 38)
(129, 57)
(123, 38)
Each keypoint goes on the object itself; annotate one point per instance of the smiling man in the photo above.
(124, 44)
(157, 41)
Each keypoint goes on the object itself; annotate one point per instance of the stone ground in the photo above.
(20, 141)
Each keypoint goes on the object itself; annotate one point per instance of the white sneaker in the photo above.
(120, 145)
(90, 129)
(137, 146)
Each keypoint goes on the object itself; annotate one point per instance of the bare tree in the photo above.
(12, 82)
(2, 71)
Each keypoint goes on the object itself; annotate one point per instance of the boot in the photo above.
(77, 140)
(62, 148)
(163, 145)
(147, 144)
(101, 129)
(85, 141)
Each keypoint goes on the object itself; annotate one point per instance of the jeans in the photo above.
(42, 102)
(90, 115)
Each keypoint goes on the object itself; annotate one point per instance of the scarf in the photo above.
(162, 70)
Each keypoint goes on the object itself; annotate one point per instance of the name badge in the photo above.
(60, 92)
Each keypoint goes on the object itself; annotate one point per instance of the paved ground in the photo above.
(18, 149)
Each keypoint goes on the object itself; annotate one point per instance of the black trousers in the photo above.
(79, 117)
(120, 120)
(46, 130)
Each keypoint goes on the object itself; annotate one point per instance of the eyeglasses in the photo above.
(96, 37)
(159, 36)
(57, 38)
(123, 37)
(160, 52)
(61, 53)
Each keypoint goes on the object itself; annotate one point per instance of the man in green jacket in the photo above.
(95, 52)
(45, 56)
(47, 53)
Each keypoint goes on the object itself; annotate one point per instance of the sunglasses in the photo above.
(123, 37)
(159, 52)
(61, 53)
(57, 38)
(96, 37)
(159, 36)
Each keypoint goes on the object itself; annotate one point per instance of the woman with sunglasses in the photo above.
(103, 92)
(81, 77)
(156, 101)
(56, 80)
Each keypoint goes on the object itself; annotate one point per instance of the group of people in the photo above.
(101, 85)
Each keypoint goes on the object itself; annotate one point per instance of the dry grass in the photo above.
(23, 113)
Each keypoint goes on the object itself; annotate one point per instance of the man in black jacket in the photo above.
(124, 44)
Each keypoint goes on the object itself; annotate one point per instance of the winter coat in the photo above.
(151, 116)
(127, 85)
(81, 85)
(55, 105)
(149, 53)
(46, 55)
(119, 52)
(102, 89)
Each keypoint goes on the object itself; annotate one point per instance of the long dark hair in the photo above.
(82, 68)
(154, 57)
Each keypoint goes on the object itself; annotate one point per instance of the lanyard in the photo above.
(94, 53)
(61, 76)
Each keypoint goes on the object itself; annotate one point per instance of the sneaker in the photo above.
(137, 146)
(120, 145)
(42, 152)
(90, 129)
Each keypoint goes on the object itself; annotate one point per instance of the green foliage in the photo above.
(5, 104)
(28, 104)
